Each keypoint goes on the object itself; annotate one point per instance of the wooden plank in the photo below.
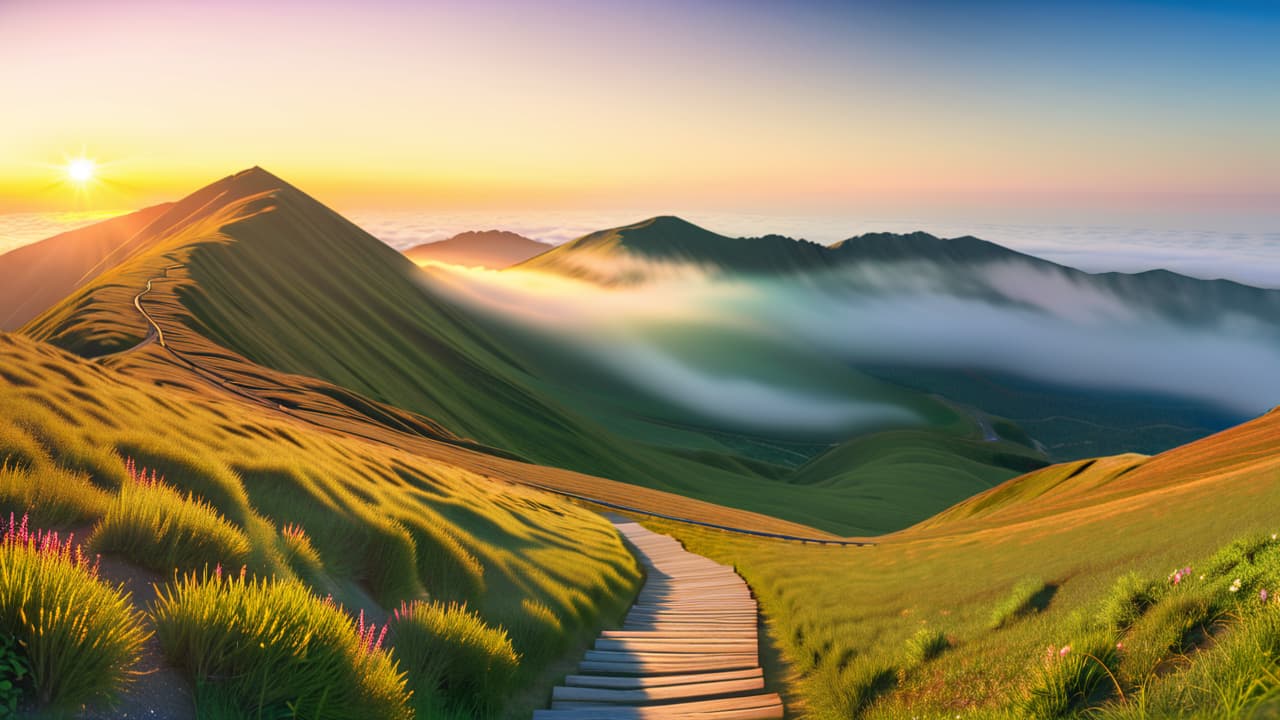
(630, 683)
(766, 706)
(641, 696)
(681, 645)
(688, 647)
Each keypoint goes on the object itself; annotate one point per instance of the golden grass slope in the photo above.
(383, 524)
(844, 617)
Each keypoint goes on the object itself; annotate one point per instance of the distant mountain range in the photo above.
(252, 272)
(493, 249)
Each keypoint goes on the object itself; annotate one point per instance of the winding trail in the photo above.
(688, 648)
(156, 334)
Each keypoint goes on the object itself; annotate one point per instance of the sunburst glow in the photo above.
(81, 170)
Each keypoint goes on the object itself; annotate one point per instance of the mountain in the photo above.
(261, 286)
(604, 255)
(632, 253)
(760, 397)
(38, 275)
(493, 249)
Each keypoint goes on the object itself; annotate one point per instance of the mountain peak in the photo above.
(493, 249)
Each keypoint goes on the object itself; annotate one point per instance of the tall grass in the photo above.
(80, 636)
(156, 526)
(49, 494)
(273, 647)
(1024, 598)
(449, 652)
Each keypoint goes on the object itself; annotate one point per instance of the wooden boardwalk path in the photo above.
(688, 647)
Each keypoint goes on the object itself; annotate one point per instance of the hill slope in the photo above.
(258, 273)
(1076, 555)
(39, 275)
(493, 249)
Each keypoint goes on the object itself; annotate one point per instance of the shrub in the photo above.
(1072, 676)
(299, 553)
(80, 636)
(14, 670)
(451, 652)
(275, 648)
(156, 526)
(49, 494)
(1026, 597)
(1168, 628)
(925, 645)
(1130, 597)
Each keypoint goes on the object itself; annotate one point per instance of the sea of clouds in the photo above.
(1029, 322)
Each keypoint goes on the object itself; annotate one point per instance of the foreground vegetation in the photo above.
(269, 524)
(1048, 597)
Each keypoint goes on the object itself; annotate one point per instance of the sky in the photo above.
(730, 105)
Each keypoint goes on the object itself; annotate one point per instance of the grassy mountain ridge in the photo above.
(260, 273)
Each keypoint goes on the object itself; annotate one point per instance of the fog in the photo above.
(1010, 317)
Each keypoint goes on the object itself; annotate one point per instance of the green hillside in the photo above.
(258, 269)
(1116, 588)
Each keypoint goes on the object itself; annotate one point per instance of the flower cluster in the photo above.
(294, 531)
(46, 542)
(1052, 653)
(1235, 585)
(370, 638)
(1177, 576)
(140, 475)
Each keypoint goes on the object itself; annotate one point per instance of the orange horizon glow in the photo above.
(387, 104)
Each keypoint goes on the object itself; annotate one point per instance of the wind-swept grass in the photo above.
(1026, 597)
(80, 637)
(925, 645)
(450, 653)
(274, 647)
(156, 526)
(50, 495)
(369, 522)
(1125, 560)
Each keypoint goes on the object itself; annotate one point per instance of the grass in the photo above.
(50, 495)
(157, 527)
(453, 658)
(274, 647)
(353, 312)
(925, 645)
(1106, 539)
(78, 638)
(1027, 596)
(370, 523)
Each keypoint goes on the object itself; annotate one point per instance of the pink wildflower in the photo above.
(1263, 595)
(1066, 650)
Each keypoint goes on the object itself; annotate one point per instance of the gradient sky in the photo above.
(781, 107)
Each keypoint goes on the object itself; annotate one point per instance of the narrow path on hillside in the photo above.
(156, 334)
(687, 649)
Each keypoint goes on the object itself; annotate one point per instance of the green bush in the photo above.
(451, 653)
(1130, 597)
(156, 526)
(14, 672)
(925, 645)
(274, 648)
(80, 636)
(49, 494)
(1020, 601)
(1072, 676)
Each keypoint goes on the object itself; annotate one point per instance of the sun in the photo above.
(81, 170)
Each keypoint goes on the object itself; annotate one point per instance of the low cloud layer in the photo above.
(1008, 317)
